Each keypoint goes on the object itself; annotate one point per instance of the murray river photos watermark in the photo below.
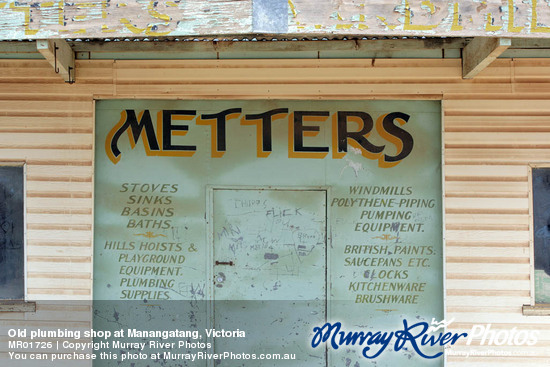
(423, 338)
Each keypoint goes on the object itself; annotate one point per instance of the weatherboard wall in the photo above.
(494, 126)
(117, 18)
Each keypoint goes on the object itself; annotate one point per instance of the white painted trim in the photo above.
(531, 236)
(443, 229)
(25, 250)
(94, 106)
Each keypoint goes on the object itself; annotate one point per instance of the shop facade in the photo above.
(283, 171)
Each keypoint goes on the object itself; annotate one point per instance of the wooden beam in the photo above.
(480, 53)
(60, 56)
(530, 43)
(17, 306)
(352, 46)
(536, 310)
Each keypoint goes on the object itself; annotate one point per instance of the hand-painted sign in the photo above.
(288, 208)
(117, 18)
(159, 141)
(541, 232)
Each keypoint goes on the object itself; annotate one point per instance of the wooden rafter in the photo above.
(60, 55)
(480, 53)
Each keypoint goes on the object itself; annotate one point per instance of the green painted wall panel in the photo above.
(157, 226)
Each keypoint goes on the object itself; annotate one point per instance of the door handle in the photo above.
(230, 263)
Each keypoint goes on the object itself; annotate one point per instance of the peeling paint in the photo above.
(55, 19)
(416, 17)
(355, 166)
(115, 18)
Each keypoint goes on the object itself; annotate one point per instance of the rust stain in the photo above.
(481, 6)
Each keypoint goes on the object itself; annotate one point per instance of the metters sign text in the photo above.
(159, 137)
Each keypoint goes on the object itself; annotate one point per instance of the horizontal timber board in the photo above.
(488, 143)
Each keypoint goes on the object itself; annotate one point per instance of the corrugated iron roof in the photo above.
(240, 38)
